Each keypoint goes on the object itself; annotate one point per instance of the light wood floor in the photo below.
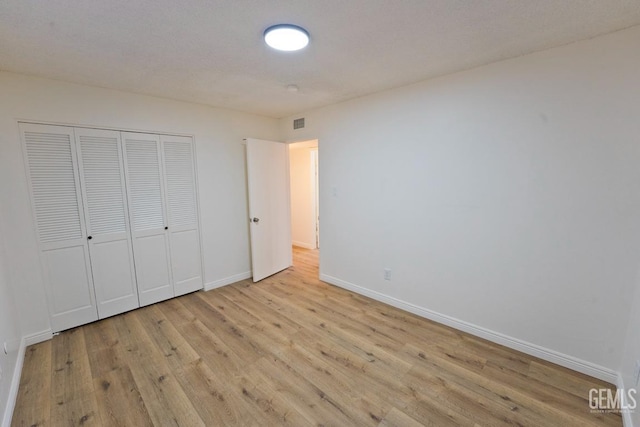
(290, 350)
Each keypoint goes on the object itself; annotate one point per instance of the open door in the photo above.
(269, 207)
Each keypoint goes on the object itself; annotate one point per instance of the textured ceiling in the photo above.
(212, 52)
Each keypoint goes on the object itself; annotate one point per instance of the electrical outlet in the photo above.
(387, 274)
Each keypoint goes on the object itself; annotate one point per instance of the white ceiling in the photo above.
(211, 51)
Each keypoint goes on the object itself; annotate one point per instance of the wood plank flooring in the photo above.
(295, 351)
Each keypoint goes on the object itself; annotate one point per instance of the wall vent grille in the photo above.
(298, 123)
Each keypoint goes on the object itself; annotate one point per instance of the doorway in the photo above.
(304, 185)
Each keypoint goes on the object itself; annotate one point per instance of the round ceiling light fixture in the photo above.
(286, 37)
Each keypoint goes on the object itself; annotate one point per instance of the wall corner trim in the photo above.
(227, 280)
(549, 355)
(627, 421)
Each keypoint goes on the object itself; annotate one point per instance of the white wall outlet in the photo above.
(387, 274)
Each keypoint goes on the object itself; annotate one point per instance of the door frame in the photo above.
(317, 202)
(318, 194)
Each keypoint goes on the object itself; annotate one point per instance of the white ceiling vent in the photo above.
(298, 123)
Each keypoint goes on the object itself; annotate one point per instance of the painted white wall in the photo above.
(9, 331)
(221, 171)
(303, 224)
(504, 196)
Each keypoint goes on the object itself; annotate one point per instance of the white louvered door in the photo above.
(149, 226)
(51, 164)
(104, 197)
(182, 213)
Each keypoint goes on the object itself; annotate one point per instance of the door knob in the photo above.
(89, 237)
(256, 219)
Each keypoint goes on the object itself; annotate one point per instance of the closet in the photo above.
(116, 219)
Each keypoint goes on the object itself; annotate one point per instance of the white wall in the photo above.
(303, 221)
(9, 332)
(505, 197)
(221, 171)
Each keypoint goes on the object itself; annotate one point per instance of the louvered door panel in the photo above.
(104, 196)
(182, 206)
(55, 194)
(103, 184)
(143, 171)
(181, 194)
(144, 183)
(53, 184)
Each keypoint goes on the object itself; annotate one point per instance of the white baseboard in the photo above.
(15, 384)
(227, 280)
(303, 245)
(38, 337)
(25, 342)
(549, 355)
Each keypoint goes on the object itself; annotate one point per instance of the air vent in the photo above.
(298, 123)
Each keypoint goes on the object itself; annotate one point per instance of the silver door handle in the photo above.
(256, 219)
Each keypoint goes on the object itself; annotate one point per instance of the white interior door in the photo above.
(51, 162)
(104, 197)
(269, 207)
(149, 227)
(182, 213)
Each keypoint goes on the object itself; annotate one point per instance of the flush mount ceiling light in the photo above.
(286, 37)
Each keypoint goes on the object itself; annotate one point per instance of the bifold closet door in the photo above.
(149, 226)
(104, 197)
(51, 163)
(182, 210)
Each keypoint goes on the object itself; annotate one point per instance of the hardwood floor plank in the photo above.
(397, 418)
(33, 406)
(229, 331)
(429, 412)
(175, 348)
(165, 400)
(211, 349)
(102, 348)
(267, 405)
(119, 400)
(291, 350)
(358, 403)
(82, 411)
(455, 398)
(71, 376)
(211, 397)
(306, 398)
(565, 379)
(507, 402)
(552, 396)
